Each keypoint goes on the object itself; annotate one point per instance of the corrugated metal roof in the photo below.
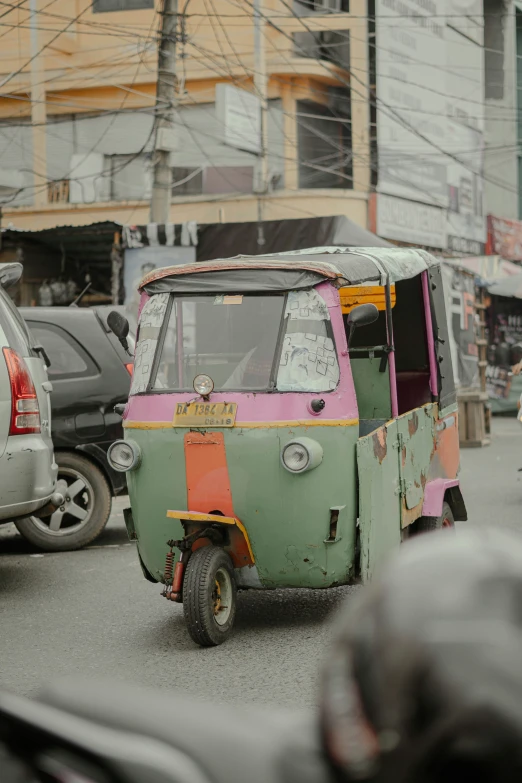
(89, 244)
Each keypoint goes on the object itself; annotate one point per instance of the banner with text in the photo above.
(430, 128)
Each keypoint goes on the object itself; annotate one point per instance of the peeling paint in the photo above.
(413, 423)
(380, 448)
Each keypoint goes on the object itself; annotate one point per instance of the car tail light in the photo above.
(129, 367)
(25, 411)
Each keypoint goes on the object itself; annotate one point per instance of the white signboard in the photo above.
(140, 261)
(239, 114)
(429, 112)
(410, 221)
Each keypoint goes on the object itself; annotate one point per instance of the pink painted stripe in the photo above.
(250, 407)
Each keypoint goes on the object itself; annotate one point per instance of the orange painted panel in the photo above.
(208, 487)
(208, 483)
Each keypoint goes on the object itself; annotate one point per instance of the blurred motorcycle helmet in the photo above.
(516, 353)
(502, 354)
(424, 680)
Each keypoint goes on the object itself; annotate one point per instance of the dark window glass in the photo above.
(325, 147)
(187, 181)
(305, 7)
(229, 179)
(99, 6)
(494, 17)
(231, 338)
(330, 45)
(68, 359)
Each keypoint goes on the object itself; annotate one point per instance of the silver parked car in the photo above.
(27, 468)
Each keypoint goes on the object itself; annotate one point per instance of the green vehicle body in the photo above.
(382, 468)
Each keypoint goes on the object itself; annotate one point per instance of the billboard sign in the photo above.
(239, 113)
(429, 112)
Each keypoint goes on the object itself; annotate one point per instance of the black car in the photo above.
(90, 373)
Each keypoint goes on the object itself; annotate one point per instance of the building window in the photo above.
(68, 359)
(212, 180)
(129, 177)
(324, 140)
(187, 182)
(307, 7)
(101, 6)
(331, 45)
(229, 179)
(494, 16)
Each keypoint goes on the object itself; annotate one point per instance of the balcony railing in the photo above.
(58, 192)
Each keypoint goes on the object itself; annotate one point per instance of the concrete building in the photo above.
(77, 111)
(429, 77)
(502, 55)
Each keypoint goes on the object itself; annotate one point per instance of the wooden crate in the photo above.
(473, 430)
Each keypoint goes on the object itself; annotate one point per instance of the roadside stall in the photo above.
(468, 344)
(504, 323)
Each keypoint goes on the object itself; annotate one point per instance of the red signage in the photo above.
(504, 238)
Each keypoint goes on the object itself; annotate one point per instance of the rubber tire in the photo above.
(198, 584)
(98, 520)
(429, 524)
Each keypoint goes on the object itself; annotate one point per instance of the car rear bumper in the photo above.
(28, 475)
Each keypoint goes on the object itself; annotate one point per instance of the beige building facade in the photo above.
(77, 111)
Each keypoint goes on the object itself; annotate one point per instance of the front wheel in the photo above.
(209, 596)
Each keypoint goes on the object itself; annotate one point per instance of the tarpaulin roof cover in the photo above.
(290, 270)
(226, 240)
(510, 287)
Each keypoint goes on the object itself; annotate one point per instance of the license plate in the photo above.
(205, 414)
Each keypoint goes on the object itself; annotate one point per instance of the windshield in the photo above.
(279, 342)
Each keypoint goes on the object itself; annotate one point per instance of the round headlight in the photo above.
(295, 457)
(301, 455)
(124, 455)
(203, 385)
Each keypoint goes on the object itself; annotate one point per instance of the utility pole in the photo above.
(165, 97)
(38, 111)
(261, 88)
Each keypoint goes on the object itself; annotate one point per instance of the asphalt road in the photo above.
(92, 613)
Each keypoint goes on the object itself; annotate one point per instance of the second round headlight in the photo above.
(124, 455)
(301, 455)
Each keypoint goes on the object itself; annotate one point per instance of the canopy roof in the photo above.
(291, 270)
(509, 287)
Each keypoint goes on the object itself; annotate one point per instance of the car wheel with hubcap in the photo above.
(209, 596)
(84, 513)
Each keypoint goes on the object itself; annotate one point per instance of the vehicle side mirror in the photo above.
(119, 326)
(362, 315)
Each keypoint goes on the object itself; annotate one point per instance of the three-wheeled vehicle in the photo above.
(291, 419)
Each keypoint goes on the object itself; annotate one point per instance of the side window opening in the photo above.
(372, 385)
(68, 358)
(411, 346)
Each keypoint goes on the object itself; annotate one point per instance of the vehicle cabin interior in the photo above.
(369, 357)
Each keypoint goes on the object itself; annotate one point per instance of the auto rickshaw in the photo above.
(291, 419)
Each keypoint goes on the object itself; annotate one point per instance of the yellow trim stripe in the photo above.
(246, 425)
(194, 516)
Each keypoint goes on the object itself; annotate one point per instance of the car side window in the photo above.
(68, 358)
(13, 326)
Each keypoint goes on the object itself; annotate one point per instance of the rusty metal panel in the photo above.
(379, 496)
(416, 441)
